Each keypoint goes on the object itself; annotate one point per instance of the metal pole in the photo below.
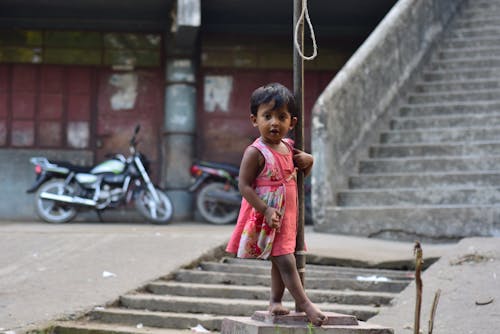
(298, 89)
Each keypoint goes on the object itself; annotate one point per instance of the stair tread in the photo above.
(414, 206)
(452, 104)
(444, 189)
(437, 144)
(465, 157)
(266, 289)
(117, 328)
(447, 116)
(455, 92)
(237, 301)
(124, 310)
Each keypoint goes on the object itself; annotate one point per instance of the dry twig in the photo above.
(417, 251)
(433, 310)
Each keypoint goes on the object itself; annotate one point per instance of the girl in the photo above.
(267, 223)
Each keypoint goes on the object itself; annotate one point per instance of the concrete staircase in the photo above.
(214, 290)
(434, 175)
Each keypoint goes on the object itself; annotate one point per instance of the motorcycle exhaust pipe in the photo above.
(67, 199)
(231, 198)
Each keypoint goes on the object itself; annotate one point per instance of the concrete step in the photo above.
(476, 32)
(483, 4)
(471, 53)
(454, 96)
(455, 108)
(192, 276)
(262, 293)
(226, 306)
(247, 325)
(441, 135)
(445, 164)
(461, 74)
(445, 121)
(458, 64)
(79, 327)
(156, 318)
(396, 274)
(473, 13)
(461, 43)
(425, 180)
(312, 271)
(484, 22)
(418, 196)
(434, 150)
(423, 164)
(457, 85)
(425, 223)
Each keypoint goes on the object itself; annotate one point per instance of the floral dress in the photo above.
(276, 185)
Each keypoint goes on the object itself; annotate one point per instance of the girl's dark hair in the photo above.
(273, 91)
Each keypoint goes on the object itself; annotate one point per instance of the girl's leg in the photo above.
(291, 279)
(277, 291)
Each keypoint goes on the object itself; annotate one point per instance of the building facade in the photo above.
(76, 78)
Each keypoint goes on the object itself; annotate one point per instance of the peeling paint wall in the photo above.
(217, 92)
(126, 91)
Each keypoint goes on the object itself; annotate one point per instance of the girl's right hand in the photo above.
(273, 217)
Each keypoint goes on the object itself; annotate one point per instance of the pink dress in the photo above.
(276, 185)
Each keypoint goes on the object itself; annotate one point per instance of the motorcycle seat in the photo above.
(231, 169)
(72, 167)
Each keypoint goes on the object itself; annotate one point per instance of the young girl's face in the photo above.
(273, 124)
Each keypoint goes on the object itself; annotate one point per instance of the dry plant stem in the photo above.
(417, 249)
(433, 310)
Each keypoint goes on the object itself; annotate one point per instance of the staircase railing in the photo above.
(363, 93)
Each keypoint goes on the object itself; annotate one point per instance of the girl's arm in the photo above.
(250, 167)
(304, 161)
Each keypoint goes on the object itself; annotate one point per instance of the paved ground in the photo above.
(53, 271)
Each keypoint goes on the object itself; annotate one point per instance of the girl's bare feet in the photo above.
(278, 309)
(314, 314)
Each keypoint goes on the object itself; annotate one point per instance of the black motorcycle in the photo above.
(62, 189)
(218, 198)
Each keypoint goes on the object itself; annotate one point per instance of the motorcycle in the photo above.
(62, 189)
(218, 198)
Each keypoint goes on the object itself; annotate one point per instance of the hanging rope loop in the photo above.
(305, 15)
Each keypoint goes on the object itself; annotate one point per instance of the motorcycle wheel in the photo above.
(213, 211)
(51, 211)
(156, 213)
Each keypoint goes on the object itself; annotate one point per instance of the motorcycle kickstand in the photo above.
(99, 214)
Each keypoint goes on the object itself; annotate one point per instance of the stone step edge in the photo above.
(463, 71)
(238, 301)
(478, 49)
(346, 293)
(475, 29)
(437, 144)
(441, 61)
(266, 289)
(423, 83)
(367, 269)
(396, 190)
(413, 207)
(452, 105)
(310, 268)
(247, 325)
(454, 92)
(446, 117)
(78, 327)
(410, 159)
(441, 129)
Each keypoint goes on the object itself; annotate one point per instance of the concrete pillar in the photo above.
(180, 106)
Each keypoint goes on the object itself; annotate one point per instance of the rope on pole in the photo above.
(305, 15)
